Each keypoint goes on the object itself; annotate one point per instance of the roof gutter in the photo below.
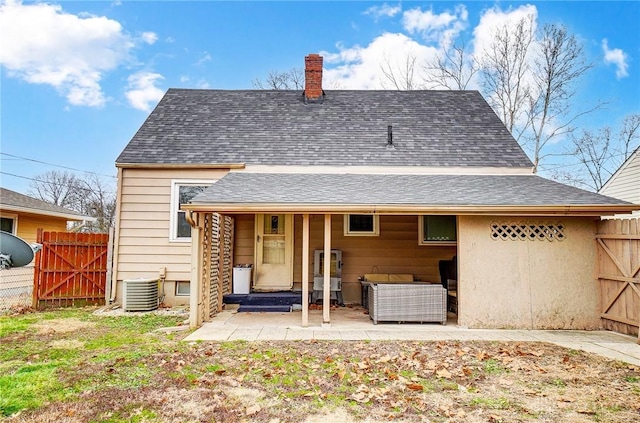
(400, 209)
(180, 166)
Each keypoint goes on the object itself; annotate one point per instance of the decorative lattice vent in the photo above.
(523, 231)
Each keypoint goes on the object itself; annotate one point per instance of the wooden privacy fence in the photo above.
(619, 274)
(70, 269)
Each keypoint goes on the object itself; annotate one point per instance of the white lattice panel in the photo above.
(527, 231)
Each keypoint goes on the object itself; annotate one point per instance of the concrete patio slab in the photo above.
(353, 324)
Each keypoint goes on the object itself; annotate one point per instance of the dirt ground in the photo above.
(332, 381)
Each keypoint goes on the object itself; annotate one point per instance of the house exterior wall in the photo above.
(142, 244)
(28, 224)
(530, 284)
(625, 185)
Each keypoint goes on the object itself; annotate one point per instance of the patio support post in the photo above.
(195, 299)
(326, 284)
(305, 270)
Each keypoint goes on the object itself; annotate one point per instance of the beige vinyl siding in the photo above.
(144, 213)
(28, 225)
(626, 184)
(244, 239)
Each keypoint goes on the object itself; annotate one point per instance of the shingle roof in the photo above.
(430, 128)
(422, 190)
(11, 199)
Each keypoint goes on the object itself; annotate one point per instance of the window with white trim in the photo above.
(361, 225)
(437, 230)
(181, 193)
(8, 224)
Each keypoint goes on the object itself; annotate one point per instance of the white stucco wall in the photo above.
(528, 284)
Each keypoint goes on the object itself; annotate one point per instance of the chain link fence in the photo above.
(16, 287)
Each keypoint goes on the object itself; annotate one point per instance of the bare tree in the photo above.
(600, 153)
(402, 76)
(504, 71)
(453, 70)
(57, 187)
(98, 201)
(87, 195)
(293, 79)
(556, 70)
(629, 135)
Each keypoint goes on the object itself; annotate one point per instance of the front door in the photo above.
(274, 252)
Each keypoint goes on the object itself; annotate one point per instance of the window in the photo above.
(181, 193)
(361, 225)
(437, 230)
(183, 288)
(8, 224)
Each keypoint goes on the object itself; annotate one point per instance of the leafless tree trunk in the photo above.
(504, 70)
(402, 76)
(452, 70)
(556, 70)
(292, 79)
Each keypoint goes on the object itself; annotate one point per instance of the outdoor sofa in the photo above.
(399, 299)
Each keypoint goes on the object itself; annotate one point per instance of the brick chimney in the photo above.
(313, 76)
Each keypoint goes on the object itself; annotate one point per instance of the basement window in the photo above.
(361, 225)
(437, 230)
(183, 289)
(181, 193)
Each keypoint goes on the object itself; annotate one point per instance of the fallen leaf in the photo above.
(443, 373)
(415, 387)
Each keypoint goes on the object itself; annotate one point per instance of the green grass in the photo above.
(29, 386)
(35, 371)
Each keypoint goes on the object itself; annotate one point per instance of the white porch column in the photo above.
(326, 293)
(195, 297)
(305, 270)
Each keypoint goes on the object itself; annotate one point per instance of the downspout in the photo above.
(116, 239)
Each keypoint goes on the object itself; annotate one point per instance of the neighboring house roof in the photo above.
(244, 190)
(625, 182)
(16, 202)
(349, 128)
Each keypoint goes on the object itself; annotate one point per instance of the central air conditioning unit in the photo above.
(140, 294)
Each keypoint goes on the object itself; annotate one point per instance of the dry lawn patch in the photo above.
(126, 373)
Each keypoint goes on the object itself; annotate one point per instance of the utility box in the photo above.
(241, 280)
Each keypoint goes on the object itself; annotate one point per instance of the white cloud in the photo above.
(69, 52)
(383, 11)
(142, 90)
(616, 57)
(361, 67)
(495, 18)
(206, 57)
(441, 27)
(149, 37)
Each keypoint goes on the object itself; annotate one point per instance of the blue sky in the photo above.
(78, 78)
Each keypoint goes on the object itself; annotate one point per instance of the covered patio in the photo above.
(516, 236)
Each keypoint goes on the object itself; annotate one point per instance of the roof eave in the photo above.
(511, 210)
(68, 216)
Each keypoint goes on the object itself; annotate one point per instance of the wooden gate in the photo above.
(70, 269)
(619, 274)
